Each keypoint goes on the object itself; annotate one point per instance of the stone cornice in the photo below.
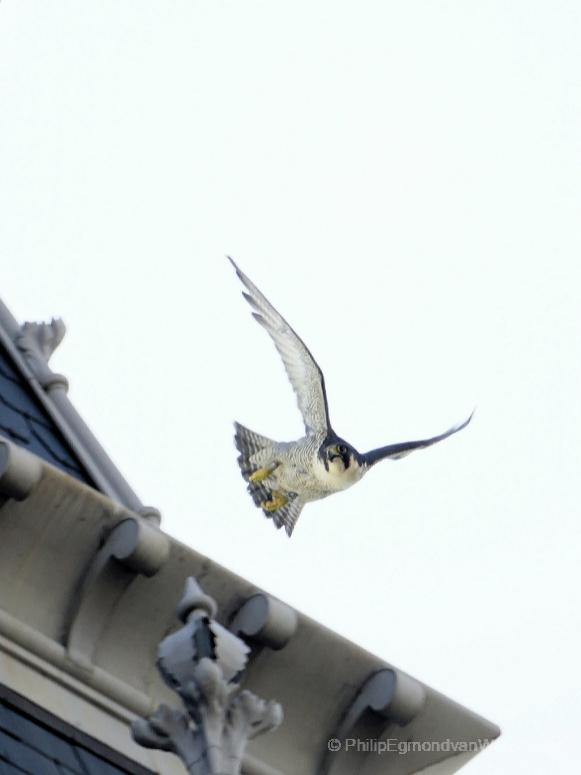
(90, 587)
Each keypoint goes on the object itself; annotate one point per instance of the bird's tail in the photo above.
(257, 451)
(250, 445)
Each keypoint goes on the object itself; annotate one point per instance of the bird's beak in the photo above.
(334, 453)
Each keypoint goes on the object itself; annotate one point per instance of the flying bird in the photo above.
(283, 476)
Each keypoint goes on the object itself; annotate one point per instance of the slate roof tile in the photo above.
(29, 747)
(24, 421)
(39, 738)
(20, 755)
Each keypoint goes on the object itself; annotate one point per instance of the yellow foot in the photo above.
(262, 473)
(277, 501)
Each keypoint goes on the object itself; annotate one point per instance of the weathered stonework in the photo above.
(37, 342)
(202, 663)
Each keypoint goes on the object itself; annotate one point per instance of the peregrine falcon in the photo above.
(283, 476)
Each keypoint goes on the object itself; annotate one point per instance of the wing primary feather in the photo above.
(302, 370)
(250, 300)
(397, 451)
(258, 317)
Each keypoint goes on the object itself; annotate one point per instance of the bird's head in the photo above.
(339, 456)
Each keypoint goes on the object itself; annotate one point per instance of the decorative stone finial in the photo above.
(37, 342)
(195, 598)
(202, 662)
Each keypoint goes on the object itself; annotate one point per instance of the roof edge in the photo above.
(22, 342)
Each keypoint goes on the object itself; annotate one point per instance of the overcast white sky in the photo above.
(402, 179)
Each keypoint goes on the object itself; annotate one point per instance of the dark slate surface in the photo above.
(24, 421)
(28, 747)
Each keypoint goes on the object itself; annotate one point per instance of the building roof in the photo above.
(26, 349)
(37, 747)
(97, 609)
(88, 589)
(24, 420)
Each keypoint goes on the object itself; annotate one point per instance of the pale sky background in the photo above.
(402, 180)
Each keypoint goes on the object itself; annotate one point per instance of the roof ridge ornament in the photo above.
(37, 342)
(202, 662)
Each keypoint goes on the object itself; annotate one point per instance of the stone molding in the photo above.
(203, 662)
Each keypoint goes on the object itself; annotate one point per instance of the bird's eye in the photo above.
(341, 449)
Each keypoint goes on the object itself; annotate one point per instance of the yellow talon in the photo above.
(262, 473)
(276, 502)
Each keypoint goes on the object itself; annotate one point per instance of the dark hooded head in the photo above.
(338, 455)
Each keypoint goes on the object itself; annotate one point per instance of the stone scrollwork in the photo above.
(133, 547)
(37, 342)
(20, 471)
(265, 621)
(386, 698)
(202, 662)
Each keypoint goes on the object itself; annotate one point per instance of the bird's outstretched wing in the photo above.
(397, 451)
(303, 372)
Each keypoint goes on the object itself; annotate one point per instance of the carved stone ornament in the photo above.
(202, 663)
(37, 342)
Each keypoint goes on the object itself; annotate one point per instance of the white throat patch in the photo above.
(337, 477)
